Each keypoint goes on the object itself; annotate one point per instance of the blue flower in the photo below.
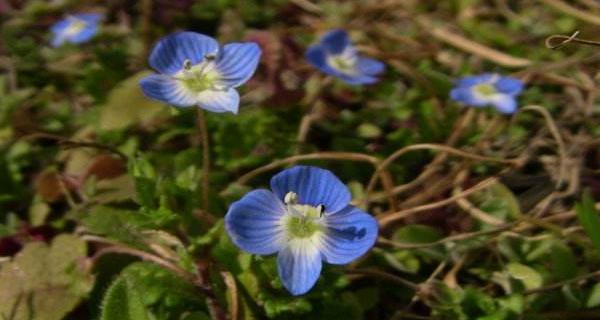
(195, 71)
(488, 89)
(306, 219)
(335, 55)
(77, 28)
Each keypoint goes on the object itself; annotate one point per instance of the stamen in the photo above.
(290, 198)
(321, 210)
(187, 64)
(210, 56)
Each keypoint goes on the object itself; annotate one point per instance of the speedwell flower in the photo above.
(335, 55)
(488, 89)
(77, 28)
(306, 219)
(193, 70)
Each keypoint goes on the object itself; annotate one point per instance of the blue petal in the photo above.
(317, 56)
(369, 66)
(59, 26)
(219, 100)
(166, 89)
(84, 35)
(509, 85)
(350, 233)
(237, 63)
(170, 53)
(505, 103)
(470, 81)
(335, 41)
(253, 222)
(91, 18)
(299, 266)
(314, 186)
(467, 96)
(58, 40)
(357, 79)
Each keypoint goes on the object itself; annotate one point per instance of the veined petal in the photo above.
(505, 103)
(219, 100)
(470, 81)
(170, 53)
(314, 186)
(509, 85)
(166, 89)
(299, 265)
(368, 66)
(350, 233)
(254, 222)
(335, 41)
(237, 63)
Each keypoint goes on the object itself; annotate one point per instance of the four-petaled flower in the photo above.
(193, 70)
(306, 219)
(77, 28)
(488, 89)
(335, 55)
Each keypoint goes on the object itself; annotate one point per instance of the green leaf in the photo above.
(588, 218)
(126, 105)
(123, 301)
(118, 224)
(417, 233)
(45, 280)
(593, 299)
(564, 263)
(530, 278)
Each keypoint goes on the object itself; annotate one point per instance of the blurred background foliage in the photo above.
(101, 211)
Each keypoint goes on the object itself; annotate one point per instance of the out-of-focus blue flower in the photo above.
(195, 71)
(77, 28)
(488, 89)
(335, 55)
(306, 219)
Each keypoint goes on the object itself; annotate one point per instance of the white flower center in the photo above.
(485, 89)
(75, 27)
(302, 221)
(344, 62)
(200, 77)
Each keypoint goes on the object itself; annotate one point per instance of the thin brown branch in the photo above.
(331, 155)
(570, 10)
(444, 34)
(384, 276)
(429, 146)
(386, 220)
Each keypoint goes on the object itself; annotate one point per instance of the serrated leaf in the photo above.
(123, 301)
(118, 224)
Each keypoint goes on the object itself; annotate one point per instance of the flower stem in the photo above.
(201, 124)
